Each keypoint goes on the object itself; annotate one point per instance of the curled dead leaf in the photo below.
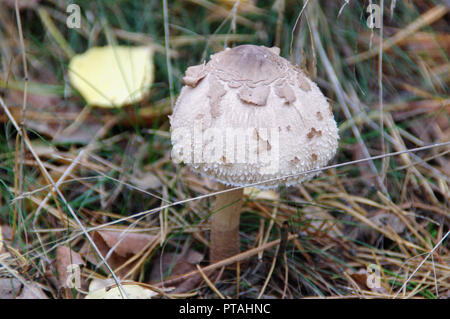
(118, 246)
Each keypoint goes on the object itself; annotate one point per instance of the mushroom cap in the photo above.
(249, 115)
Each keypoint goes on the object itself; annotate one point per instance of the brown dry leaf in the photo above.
(38, 97)
(49, 115)
(82, 133)
(124, 245)
(32, 291)
(12, 288)
(34, 101)
(127, 243)
(172, 265)
(65, 258)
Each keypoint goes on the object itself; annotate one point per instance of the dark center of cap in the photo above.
(249, 63)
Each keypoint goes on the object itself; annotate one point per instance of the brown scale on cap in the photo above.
(319, 116)
(225, 160)
(303, 83)
(194, 74)
(285, 91)
(257, 96)
(314, 133)
(249, 64)
(295, 160)
(215, 93)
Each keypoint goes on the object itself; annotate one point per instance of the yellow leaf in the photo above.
(112, 76)
(105, 289)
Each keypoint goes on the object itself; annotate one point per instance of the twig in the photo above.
(209, 282)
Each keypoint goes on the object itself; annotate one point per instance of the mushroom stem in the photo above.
(225, 224)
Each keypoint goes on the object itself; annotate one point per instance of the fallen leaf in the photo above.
(123, 244)
(107, 289)
(112, 76)
(97, 284)
(171, 265)
(34, 101)
(48, 114)
(32, 291)
(43, 91)
(126, 243)
(12, 288)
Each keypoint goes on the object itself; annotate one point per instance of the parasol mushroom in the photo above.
(249, 116)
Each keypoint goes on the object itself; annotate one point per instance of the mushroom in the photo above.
(245, 117)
